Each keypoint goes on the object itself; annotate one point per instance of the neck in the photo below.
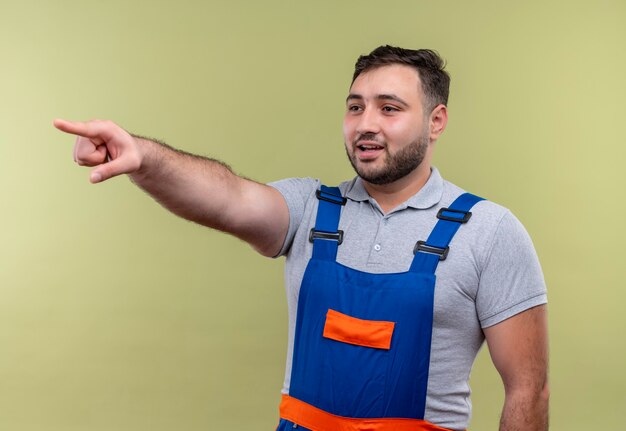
(391, 195)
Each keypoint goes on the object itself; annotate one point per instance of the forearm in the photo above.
(525, 410)
(193, 187)
(207, 192)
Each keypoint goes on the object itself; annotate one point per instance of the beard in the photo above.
(396, 165)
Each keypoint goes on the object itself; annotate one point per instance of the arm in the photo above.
(199, 189)
(519, 350)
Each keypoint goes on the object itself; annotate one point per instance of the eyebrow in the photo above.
(379, 97)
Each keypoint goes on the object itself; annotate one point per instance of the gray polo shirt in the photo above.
(491, 273)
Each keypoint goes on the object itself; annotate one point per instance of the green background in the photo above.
(115, 315)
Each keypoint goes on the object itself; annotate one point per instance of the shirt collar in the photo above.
(428, 196)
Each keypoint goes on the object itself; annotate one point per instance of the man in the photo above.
(375, 341)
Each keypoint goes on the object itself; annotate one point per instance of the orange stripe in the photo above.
(368, 333)
(315, 419)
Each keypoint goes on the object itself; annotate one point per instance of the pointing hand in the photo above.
(105, 145)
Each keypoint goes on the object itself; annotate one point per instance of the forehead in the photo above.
(398, 79)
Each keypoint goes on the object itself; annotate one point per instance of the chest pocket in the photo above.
(367, 333)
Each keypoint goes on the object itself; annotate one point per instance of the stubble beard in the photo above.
(397, 165)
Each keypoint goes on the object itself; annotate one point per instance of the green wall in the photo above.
(115, 315)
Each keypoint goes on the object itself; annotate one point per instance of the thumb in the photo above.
(118, 166)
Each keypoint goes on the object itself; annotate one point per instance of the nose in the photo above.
(368, 122)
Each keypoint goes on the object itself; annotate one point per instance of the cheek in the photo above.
(348, 128)
(402, 130)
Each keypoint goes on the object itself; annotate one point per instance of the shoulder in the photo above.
(489, 209)
(299, 194)
(491, 227)
(488, 220)
(296, 186)
(303, 189)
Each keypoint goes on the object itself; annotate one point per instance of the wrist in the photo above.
(148, 151)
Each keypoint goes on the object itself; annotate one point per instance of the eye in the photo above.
(354, 108)
(389, 109)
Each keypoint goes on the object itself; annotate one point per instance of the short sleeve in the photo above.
(511, 280)
(296, 192)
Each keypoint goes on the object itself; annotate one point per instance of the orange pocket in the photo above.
(368, 333)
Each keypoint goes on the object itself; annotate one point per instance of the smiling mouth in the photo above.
(369, 147)
(368, 152)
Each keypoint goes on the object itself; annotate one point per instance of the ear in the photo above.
(437, 121)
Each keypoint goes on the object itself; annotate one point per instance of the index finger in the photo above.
(89, 129)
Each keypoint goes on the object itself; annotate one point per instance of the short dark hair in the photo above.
(429, 65)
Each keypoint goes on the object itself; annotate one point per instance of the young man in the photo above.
(376, 340)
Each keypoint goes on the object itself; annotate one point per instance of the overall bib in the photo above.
(362, 341)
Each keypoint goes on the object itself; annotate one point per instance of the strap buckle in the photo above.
(320, 234)
(464, 219)
(422, 246)
(329, 197)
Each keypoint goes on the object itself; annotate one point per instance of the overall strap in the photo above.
(428, 253)
(325, 236)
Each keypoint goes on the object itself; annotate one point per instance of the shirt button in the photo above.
(377, 247)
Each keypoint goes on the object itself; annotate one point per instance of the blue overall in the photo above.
(351, 379)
